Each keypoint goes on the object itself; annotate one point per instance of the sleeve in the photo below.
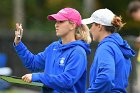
(106, 73)
(73, 71)
(31, 61)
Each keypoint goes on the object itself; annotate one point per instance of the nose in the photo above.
(56, 24)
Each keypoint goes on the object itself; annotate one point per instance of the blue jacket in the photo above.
(64, 66)
(111, 66)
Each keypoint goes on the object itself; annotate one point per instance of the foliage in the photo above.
(36, 12)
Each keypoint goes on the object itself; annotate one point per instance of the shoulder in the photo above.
(54, 43)
(51, 46)
(79, 50)
(109, 47)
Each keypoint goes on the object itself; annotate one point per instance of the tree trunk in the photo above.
(19, 11)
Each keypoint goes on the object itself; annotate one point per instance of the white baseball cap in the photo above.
(100, 16)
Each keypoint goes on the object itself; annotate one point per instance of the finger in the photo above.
(16, 32)
(25, 79)
(21, 30)
(20, 26)
(28, 80)
(17, 35)
(17, 26)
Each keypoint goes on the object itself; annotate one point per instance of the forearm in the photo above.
(56, 82)
(102, 87)
(27, 57)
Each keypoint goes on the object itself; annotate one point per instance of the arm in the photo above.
(106, 73)
(32, 62)
(74, 70)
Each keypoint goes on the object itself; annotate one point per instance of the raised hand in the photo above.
(18, 33)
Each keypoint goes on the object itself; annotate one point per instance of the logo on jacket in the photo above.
(62, 61)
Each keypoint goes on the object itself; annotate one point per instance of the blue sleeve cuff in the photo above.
(35, 77)
(19, 47)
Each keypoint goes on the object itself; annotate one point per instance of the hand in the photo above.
(138, 39)
(18, 33)
(27, 78)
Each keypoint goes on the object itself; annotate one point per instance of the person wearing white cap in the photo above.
(111, 66)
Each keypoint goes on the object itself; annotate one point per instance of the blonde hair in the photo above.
(82, 33)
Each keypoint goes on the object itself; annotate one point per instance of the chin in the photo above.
(93, 39)
(136, 18)
(58, 35)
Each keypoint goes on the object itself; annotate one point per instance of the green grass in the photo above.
(11, 91)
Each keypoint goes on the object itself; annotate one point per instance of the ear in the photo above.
(73, 26)
(100, 27)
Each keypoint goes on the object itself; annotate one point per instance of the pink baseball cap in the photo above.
(67, 14)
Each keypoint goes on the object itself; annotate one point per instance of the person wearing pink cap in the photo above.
(64, 62)
(111, 66)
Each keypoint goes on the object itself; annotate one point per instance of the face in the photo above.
(63, 28)
(136, 15)
(95, 31)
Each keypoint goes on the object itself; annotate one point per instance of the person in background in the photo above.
(111, 67)
(64, 62)
(134, 12)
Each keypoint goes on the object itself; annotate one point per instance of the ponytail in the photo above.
(117, 22)
(117, 25)
(82, 33)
